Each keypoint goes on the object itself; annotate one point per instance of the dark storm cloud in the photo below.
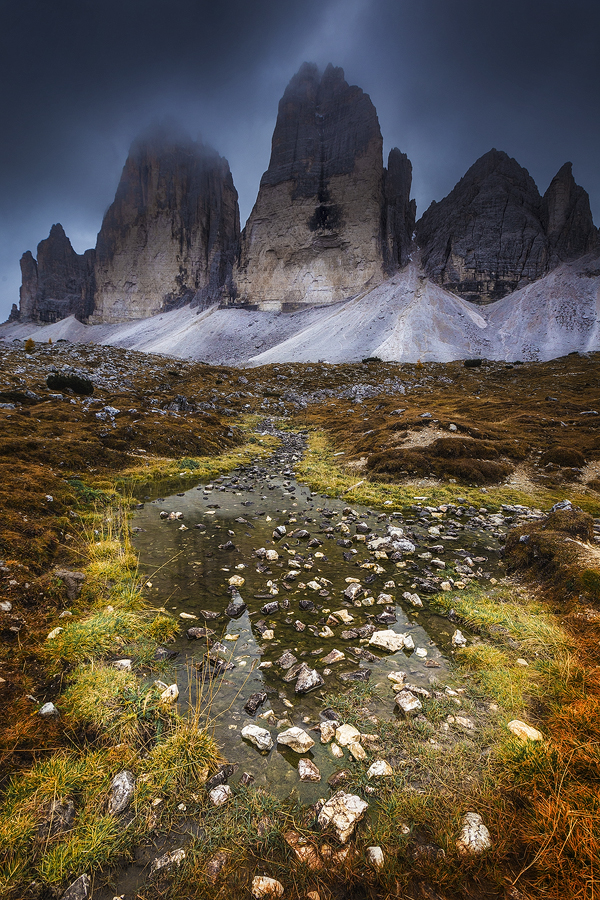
(450, 79)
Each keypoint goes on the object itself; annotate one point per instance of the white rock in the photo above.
(326, 632)
(474, 838)
(264, 887)
(388, 640)
(296, 739)
(174, 858)
(341, 812)
(397, 677)
(344, 616)
(54, 633)
(123, 665)
(458, 639)
(421, 652)
(220, 795)
(524, 732)
(314, 586)
(308, 771)
(272, 555)
(184, 615)
(379, 769)
(357, 751)
(413, 599)
(336, 750)
(5, 606)
(327, 732)
(268, 635)
(346, 734)
(122, 789)
(408, 704)
(170, 694)
(237, 581)
(446, 586)
(260, 737)
(375, 857)
(48, 711)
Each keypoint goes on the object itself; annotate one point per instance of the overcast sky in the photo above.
(449, 78)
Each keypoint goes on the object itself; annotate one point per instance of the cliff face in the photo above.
(172, 233)
(319, 231)
(494, 233)
(60, 283)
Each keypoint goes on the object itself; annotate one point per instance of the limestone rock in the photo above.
(60, 283)
(167, 860)
(375, 857)
(380, 768)
(264, 888)
(328, 221)
(79, 890)
(122, 788)
(388, 640)
(308, 771)
(494, 233)
(524, 732)
(474, 838)
(341, 812)
(172, 233)
(260, 737)
(296, 739)
(346, 735)
(408, 704)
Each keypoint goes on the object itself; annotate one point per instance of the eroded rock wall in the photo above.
(171, 235)
(318, 231)
(60, 283)
(494, 233)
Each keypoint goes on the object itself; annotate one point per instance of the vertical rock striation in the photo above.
(322, 228)
(60, 283)
(494, 233)
(567, 218)
(171, 235)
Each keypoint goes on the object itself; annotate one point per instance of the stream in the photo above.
(322, 583)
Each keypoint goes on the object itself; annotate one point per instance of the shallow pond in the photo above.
(189, 560)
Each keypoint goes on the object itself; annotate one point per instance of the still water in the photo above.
(224, 530)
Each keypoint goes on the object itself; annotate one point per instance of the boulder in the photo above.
(474, 837)
(341, 813)
(260, 737)
(122, 789)
(296, 739)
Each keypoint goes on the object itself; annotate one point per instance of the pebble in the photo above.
(308, 771)
(260, 737)
(263, 887)
(220, 795)
(524, 732)
(474, 837)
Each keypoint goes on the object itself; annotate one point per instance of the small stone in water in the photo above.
(336, 750)
(327, 732)
(308, 771)
(260, 737)
(296, 739)
(458, 639)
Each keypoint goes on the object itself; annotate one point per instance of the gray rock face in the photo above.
(60, 283)
(171, 235)
(567, 219)
(122, 789)
(494, 233)
(328, 220)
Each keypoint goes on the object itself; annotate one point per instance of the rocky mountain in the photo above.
(330, 225)
(59, 283)
(328, 220)
(172, 233)
(494, 233)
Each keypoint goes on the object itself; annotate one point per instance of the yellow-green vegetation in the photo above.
(326, 473)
